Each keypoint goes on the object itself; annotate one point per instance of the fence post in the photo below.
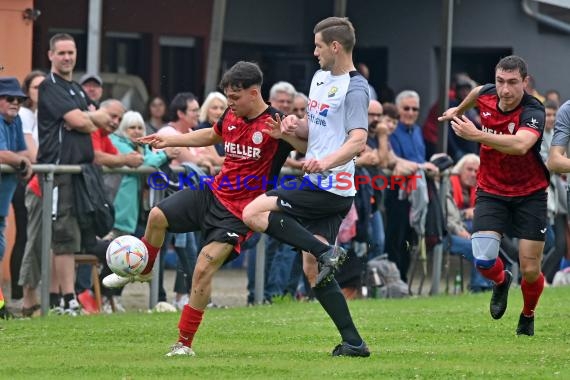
(47, 199)
(260, 270)
(438, 249)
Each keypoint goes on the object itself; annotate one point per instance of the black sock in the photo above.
(53, 300)
(66, 299)
(332, 300)
(287, 230)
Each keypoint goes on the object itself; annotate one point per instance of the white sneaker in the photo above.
(180, 350)
(115, 281)
(74, 308)
(179, 305)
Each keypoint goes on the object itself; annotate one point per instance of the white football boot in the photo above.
(180, 350)
(115, 281)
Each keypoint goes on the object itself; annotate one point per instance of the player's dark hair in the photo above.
(512, 63)
(180, 103)
(337, 29)
(59, 37)
(242, 75)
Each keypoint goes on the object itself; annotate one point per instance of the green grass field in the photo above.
(446, 337)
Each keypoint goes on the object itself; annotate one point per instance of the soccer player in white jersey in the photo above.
(307, 212)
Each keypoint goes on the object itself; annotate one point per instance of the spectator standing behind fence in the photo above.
(369, 159)
(553, 95)
(515, 196)
(92, 84)
(28, 115)
(65, 125)
(211, 110)
(155, 114)
(128, 199)
(557, 202)
(558, 161)
(407, 143)
(12, 152)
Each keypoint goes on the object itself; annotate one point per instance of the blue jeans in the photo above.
(462, 246)
(186, 249)
(376, 229)
(83, 280)
(278, 270)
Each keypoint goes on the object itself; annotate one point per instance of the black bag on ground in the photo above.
(383, 279)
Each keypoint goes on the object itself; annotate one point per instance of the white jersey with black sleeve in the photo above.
(337, 105)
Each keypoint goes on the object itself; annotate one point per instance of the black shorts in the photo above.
(199, 210)
(320, 211)
(524, 217)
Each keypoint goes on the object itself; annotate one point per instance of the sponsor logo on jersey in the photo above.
(317, 112)
(231, 127)
(490, 130)
(242, 151)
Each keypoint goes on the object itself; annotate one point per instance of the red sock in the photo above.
(189, 322)
(531, 293)
(496, 273)
(152, 254)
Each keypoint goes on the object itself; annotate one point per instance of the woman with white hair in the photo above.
(128, 199)
(460, 207)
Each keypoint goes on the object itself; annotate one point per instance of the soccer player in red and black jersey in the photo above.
(253, 158)
(511, 184)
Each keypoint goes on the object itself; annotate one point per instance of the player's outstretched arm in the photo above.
(201, 137)
(466, 104)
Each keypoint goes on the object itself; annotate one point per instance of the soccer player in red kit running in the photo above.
(216, 210)
(511, 185)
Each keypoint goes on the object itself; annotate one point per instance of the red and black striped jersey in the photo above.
(253, 160)
(507, 174)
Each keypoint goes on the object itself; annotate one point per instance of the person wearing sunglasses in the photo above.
(13, 152)
(407, 144)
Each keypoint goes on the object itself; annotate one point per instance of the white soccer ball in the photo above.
(127, 256)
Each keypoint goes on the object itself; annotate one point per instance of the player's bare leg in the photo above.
(210, 259)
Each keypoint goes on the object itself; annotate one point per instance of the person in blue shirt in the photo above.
(407, 143)
(13, 152)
